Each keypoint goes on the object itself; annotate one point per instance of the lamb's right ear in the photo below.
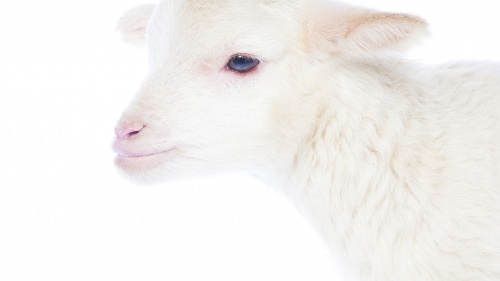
(133, 24)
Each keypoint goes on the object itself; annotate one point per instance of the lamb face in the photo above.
(216, 75)
(231, 84)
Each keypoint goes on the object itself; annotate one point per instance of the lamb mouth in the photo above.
(133, 163)
(139, 156)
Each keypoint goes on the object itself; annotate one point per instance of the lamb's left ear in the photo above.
(134, 23)
(349, 30)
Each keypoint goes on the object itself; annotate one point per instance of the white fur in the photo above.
(397, 165)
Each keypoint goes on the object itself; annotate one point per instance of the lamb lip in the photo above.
(138, 155)
(132, 156)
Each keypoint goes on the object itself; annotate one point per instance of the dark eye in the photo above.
(242, 63)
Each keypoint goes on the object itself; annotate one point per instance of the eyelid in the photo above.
(243, 55)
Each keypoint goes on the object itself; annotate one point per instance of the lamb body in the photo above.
(397, 165)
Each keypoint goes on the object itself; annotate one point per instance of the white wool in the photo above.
(396, 164)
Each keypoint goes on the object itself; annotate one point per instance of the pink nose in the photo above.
(128, 130)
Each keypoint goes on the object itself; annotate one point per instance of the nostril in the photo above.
(128, 131)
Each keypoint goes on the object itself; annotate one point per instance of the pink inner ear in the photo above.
(141, 30)
(346, 30)
(134, 24)
(387, 30)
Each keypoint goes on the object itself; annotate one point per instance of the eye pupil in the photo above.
(242, 63)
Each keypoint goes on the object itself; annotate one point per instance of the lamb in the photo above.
(397, 165)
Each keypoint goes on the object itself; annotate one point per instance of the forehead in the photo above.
(217, 24)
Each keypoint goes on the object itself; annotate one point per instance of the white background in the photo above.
(65, 212)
